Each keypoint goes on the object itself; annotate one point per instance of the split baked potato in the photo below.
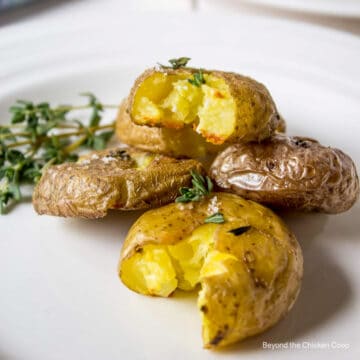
(111, 179)
(249, 267)
(222, 107)
(177, 143)
(290, 173)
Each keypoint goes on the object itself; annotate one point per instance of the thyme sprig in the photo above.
(202, 186)
(177, 63)
(198, 79)
(40, 135)
(181, 62)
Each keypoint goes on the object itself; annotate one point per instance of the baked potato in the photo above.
(290, 173)
(177, 143)
(223, 107)
(111, 179)
(249, 267)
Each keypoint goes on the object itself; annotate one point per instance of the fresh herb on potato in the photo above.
(198, 79)
(202, 186)
(179, 62)
(217, 218)
(40, 135)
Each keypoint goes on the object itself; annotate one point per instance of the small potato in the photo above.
(224, 108)
(177, 143)
(249, 267)
(289, 173)
(111, 179)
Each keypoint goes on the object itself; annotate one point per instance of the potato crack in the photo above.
(173, 102)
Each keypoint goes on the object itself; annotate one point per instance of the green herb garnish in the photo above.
(179, 62)
(217, 218)
(240, 230)
(198, 79)
(176, 63)
(40, 135)
(202, 186)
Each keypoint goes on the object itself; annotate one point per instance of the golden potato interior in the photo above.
(143, 160)
(178, 143)
(159, 269)
(172, 101)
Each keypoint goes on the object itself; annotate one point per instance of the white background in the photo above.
(60, 297)
(337, 14)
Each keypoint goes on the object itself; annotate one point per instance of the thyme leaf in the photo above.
(217, 218)
(198, 79)
(202, 186)
(176, 63)
(179, 62)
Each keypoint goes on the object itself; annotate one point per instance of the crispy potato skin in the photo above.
(106, 180)
(176, 143)
(244, 90)
(289, 173)
(257, 289)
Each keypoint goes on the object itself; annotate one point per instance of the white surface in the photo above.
(60, 297)
(349, 8)
(349, 22)
(51, 9)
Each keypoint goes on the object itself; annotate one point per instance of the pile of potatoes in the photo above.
(248, 266)
(235, 117)
(245, 262)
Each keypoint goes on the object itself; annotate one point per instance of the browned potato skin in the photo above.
(241, 87)
(289, 173)
(176, 143)
(89, 189)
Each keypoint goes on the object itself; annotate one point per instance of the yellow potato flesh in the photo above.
(172, 101)
(216, 264)
(158, 269)
(143, 160)
(150, 272)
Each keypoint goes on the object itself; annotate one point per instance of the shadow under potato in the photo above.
(344, 227)
(113, 227)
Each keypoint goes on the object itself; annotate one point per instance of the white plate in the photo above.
(345, 8)
(60, 297)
